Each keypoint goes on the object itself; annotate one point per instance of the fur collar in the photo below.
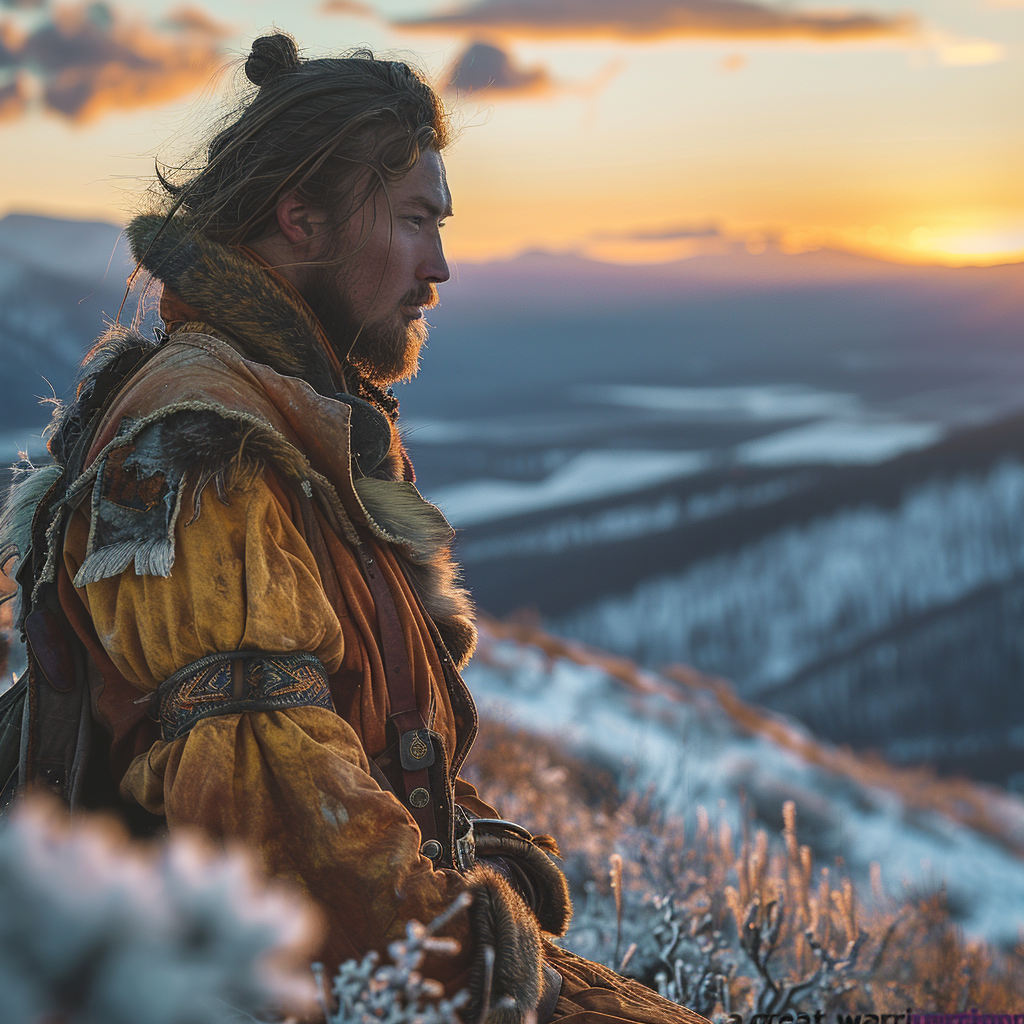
(259, 310)
(227, 292)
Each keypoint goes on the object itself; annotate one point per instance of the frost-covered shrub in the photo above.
(97, 930)
(396, 993)
(728, 923)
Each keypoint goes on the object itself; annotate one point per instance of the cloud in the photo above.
(486, 70)
(963, 51)
(11, 42)
(352, 7)
(655, 19)
(193, 19)
(483, 68)
(91, 60)
(666, 234)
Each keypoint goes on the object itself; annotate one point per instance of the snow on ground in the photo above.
(601, 474)
(756, 402)
(598, 473)
(838, 442)
(594, 474)
(691, 753)
(623, 522)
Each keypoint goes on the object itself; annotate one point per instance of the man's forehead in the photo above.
(427, 184)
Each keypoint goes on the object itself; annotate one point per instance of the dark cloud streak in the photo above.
(92, 59)
(655, 19)
(670, 234)
(484, 69)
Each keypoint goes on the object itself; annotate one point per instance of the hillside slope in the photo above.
(690, 743)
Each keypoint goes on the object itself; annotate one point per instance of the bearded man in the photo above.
(241, 615)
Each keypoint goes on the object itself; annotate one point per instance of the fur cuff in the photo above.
(507, 978)
(533, 873)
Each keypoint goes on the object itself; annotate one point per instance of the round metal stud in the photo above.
(419, 797)
(431, 849)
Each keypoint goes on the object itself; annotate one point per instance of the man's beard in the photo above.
(386, 352)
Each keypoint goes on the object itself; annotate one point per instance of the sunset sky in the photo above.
(629, 131)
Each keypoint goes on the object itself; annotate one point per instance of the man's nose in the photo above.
(434, 269)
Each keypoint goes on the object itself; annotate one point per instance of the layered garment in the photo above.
(234, 515)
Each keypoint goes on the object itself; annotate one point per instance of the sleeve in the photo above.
(243, 579)
(293, 784)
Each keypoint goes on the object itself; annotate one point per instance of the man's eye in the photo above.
(415, 221)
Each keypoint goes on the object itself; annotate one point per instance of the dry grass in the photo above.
(729, 923)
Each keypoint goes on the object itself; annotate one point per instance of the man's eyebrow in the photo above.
(432, 206)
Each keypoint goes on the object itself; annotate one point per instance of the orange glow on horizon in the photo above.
(639, 151)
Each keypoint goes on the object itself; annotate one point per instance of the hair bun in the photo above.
(271, 56)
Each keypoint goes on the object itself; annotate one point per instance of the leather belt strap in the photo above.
(412, 731)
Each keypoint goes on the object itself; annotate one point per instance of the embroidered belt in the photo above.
(237, 681)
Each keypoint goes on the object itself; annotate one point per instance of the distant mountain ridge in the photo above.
(92, 252)
(58, 280)
(880, 605)
(508, 330)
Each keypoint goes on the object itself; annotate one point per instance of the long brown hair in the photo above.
(334, 130)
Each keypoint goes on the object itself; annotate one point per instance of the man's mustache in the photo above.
(426, 297)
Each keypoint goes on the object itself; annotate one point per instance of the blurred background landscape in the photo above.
(729, 374)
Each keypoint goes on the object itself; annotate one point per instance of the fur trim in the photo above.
(424, 537)
(459, 635)
(502, 923)
(271, 326)
(228, 451)
(23, 498)
(404, 517)
(113, 345)
(135, 502)
(536, 877)
(117, 354)
(150, 466)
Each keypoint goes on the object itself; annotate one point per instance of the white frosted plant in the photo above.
(96, 929)
(396, 993)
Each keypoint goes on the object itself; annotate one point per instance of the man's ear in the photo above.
(298, 221)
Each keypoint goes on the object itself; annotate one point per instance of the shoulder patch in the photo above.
(136, 500)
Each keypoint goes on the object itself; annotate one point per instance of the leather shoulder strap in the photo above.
(416, 749)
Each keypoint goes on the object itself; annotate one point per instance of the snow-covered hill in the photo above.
(693, 743)
(779, 604)
(58, 279)
(888, 621)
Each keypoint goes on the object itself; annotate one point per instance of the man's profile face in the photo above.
(378, 295)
